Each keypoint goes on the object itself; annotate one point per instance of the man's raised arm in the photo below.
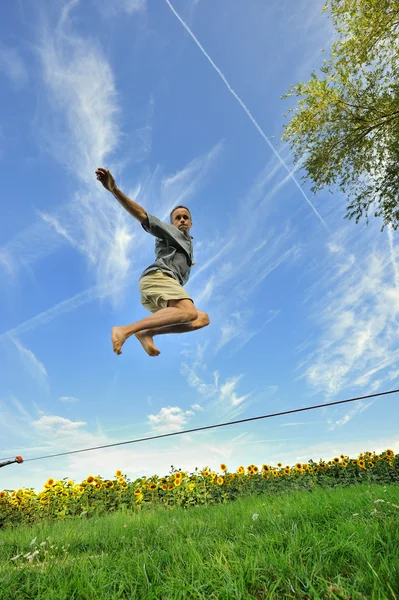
(132, 207)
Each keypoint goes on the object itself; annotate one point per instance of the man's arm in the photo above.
(132, 207)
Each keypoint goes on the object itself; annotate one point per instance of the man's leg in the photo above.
(146, 336)
(178, 312)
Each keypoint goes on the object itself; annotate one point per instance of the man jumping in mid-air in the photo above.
(161, 284)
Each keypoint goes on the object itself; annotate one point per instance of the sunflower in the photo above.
(223, 467)
(279, 464)
(336, 460)
(255, 469)
(369, 454)
(250, 469)
(191, 486)
(118, 473)
(171, 487)
(298, 466)
(220, 480)
(205, 473)
(265, 468)
(389, 453)
(109, 484)
(153, 486)
(90, 479)
(3, 494)
(121, 480)
(342, 456)
(164, 487)
(344, 464)
(274, 472)
(361, 463)
(50, 482)
(241, 470)
(70, 482)
(98, 486)
(137, 492)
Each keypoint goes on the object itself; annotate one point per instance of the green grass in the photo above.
(302, 545)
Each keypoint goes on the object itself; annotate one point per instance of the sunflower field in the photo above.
(63, 499)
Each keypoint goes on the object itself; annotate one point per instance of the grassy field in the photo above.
(339, 543)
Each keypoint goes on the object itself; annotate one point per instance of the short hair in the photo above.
(180, 206)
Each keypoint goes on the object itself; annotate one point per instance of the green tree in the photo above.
(344, 127)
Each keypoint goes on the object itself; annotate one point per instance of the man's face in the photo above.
(182, 220)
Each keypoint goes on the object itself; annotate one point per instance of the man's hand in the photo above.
(106, 179)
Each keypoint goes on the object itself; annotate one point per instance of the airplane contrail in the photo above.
(247, 111)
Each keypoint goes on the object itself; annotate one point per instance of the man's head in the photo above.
(180, 217)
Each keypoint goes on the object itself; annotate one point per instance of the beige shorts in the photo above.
(156, 289)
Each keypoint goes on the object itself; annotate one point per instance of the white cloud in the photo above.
(69, 399)
(58, 426)
(170, 419)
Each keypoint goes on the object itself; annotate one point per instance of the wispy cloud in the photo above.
(357, 311)
(69, 399)
(355, 411)
(13, 66)
(83, 105)
(93, 293)
(15, 419)
(221, 399)
(32, 363)
(127, 7)
(299, 424)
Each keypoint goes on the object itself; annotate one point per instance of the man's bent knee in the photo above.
(203, 318)
(206, 320)
(188, 311)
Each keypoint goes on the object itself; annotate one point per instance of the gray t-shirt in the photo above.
(174, 251)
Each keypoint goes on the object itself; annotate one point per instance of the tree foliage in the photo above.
(344, 127)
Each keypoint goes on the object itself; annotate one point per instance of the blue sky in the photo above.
(181, 101)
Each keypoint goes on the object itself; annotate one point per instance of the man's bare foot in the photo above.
(147, 342)
(118, 339)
